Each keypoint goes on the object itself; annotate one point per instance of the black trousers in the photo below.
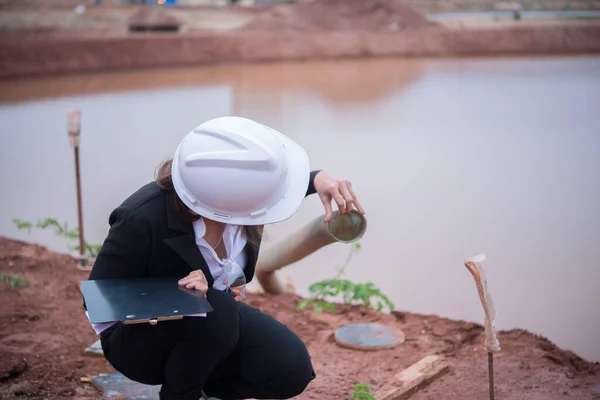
(236, 352)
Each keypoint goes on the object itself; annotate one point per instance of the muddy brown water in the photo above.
(450, 158)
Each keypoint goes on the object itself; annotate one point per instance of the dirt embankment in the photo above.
(44, 331)
(38, 42)
(341, 15)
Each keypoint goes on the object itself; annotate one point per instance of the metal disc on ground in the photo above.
(368, 336)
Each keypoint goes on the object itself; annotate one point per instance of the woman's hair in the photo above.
(162, 176)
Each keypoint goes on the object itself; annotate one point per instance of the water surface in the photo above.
(450, 158)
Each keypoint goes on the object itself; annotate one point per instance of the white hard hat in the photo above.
(237, 171)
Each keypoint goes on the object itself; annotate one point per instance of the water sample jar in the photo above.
(347, 228)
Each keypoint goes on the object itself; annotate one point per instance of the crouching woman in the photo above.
(201, 218)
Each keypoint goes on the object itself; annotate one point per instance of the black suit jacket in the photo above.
(148, 237)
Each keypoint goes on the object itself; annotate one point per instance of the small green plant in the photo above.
(362, 391)
(365, 293)
(22, 224)
(60, 230)
(14, 281)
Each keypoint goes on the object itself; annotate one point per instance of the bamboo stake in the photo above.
(74, 134)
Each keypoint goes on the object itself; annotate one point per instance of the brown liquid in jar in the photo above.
(347, 227)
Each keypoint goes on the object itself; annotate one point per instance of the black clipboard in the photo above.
(140, 300)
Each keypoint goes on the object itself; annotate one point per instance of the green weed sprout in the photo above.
(362, 391)
(14, 281)
(60, 230)
(365, 293)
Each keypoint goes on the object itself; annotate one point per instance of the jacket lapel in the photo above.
(184, 244)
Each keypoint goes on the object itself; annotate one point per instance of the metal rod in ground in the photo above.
(79, 208)
(491, 374)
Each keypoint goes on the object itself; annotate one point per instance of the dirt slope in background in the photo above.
(49, 41)
(341, 15)
(43, 332)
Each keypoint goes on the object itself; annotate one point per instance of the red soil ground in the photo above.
(44, 331)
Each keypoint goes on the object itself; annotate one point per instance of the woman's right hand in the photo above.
(195, 280)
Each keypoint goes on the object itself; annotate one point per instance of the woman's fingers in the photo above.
(345, 197)
(339, 199)
(186, 280)
(348, 198)
(195, 280)
(326, 200)
(194, 275)
(201, 286)
(355, 198)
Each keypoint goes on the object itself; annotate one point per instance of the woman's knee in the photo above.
(293, 375)
(295, 380)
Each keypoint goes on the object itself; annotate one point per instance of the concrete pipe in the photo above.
(310, 238)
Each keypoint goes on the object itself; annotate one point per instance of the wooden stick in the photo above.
(412, 379)
(491, 344)
(491, 374)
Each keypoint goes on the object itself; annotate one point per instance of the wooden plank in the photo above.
(412, 379)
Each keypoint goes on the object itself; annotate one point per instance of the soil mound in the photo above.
(341, 15)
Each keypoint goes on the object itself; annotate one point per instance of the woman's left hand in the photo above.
(195, 280)
(340, 190)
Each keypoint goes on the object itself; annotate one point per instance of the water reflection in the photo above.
(334, 81)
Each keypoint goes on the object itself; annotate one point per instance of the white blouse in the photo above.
(235, 262)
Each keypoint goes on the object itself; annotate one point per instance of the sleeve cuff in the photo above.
(311, 183)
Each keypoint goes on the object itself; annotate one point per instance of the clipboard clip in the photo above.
(152, 320)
